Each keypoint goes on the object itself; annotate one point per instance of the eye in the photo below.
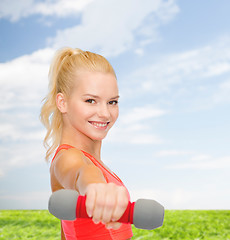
(114, 102)
(90, 101)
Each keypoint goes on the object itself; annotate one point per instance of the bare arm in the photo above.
(105, 202)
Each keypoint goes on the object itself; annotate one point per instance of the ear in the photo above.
(61, 102)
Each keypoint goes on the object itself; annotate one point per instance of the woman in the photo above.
(79, 110)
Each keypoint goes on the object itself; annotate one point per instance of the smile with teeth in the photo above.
(100, 125)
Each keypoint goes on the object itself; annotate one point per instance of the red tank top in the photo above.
(85, 229)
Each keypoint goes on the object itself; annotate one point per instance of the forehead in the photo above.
(97, 83)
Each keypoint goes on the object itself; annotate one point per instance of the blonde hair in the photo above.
(63, 70)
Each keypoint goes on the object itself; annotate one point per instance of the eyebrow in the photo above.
(95, 96)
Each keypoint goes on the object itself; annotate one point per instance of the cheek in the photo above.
(115, 114)
(79, 111)
(76, 115)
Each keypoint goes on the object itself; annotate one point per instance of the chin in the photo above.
(97, 137)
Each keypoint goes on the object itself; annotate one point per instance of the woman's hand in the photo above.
(106, 203)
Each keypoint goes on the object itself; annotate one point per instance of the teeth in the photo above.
(100, 124)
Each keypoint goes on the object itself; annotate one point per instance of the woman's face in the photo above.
(92, 108)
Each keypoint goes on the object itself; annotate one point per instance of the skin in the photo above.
(88, 114)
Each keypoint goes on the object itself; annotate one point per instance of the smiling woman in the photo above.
(79, 110)
(98, 109)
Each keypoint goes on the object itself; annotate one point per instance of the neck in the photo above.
(81, 142)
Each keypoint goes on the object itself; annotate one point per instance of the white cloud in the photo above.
(203, 162)
(23, 83)
(18, 130)
(169, 153)
(139, 114)
(25, 8)
(144, 138)
(24, 79)
(22, 153)
(135, 126)
(123, 135)
(222, 94)
(110, 27)
(61, 8)
(139, 51)
(185, 74)
(16, 9)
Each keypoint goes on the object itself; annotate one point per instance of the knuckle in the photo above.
(100, 202)
(122, 203)
(112, 184)
(122, 198)
(122, 189)
(110, 204)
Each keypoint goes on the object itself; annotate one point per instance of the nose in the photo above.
(103, 111)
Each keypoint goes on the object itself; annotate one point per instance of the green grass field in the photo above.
(189, 224)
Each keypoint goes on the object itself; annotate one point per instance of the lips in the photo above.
(99, 125)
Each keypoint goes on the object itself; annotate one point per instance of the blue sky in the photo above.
(172, 59)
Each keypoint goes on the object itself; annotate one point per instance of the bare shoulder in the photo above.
(66, 167)
(71, 158)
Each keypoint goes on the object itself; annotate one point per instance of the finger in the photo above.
(108, 209)
(113, 225)
(121, 204)
(99, 206)
(90, 201)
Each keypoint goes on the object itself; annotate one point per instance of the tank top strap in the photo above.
(104, 170)
(95, 162)
(61, 147)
